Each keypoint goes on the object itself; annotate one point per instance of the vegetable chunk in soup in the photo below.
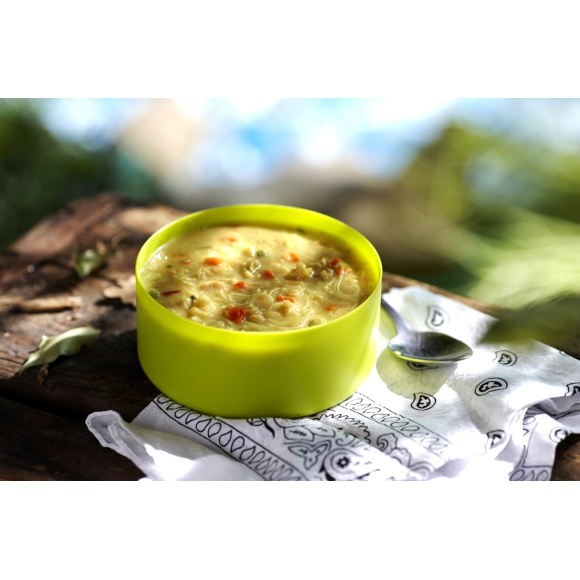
(254, 278)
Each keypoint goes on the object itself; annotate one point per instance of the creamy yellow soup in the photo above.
(254, 278)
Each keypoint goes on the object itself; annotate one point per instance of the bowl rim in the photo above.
(179, 320)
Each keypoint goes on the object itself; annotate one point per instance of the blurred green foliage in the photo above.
(497, 218)
(39, 173)
(505, 212)
(548, 321)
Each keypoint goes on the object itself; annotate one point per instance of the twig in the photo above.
(41, 304)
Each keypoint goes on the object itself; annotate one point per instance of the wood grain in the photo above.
(35, 445)
(42, 430)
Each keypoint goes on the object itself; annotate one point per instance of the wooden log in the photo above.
(54, 235)
(567, 460)
(36, 445)
(105, 375)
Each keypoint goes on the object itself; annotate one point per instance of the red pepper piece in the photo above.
(240, 285)
(213, 261)
(331, 308)
(171, 292)
(337, 270)
(237, 314)
(267, 274)
(292, 257)
(333, 263)
(281, 298)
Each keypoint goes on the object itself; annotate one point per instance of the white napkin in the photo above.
(495, 416)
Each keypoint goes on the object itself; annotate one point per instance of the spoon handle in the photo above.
(399, 323)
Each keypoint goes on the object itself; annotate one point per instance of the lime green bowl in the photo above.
(291, 373)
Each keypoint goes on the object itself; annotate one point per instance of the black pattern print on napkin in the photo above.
(310, 453)
(528, 420)
(262, 423)
(237, 445)
(494, 438)
(525, 469)
(389, 444)
(305, 449)
(489, 385)
(423, 401)
(437, 317)
(573, 389)
(347, 424)
(505, 358)
(339, 455)
(558, 434)
(374, 413)
(346, 465)
(303, 429)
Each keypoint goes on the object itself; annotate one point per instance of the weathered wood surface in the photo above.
(35, 445)
(42, 431)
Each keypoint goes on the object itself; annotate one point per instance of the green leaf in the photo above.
(65, 344)
(550, 321)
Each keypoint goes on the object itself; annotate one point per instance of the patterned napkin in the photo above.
(497, 415)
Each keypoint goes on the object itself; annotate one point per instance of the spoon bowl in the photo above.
(424, 347)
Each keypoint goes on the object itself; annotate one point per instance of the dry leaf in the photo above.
(42, 372)
(65, 344)
(91, 260)
(124, 290)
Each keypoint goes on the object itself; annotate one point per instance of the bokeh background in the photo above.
(477, 196)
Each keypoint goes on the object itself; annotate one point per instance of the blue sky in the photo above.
(250, 141)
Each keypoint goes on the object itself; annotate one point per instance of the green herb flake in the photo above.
(87, 262)
(91, 260)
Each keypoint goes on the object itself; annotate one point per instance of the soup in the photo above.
(255, 278)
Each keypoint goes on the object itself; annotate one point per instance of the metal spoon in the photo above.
(424, 347)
